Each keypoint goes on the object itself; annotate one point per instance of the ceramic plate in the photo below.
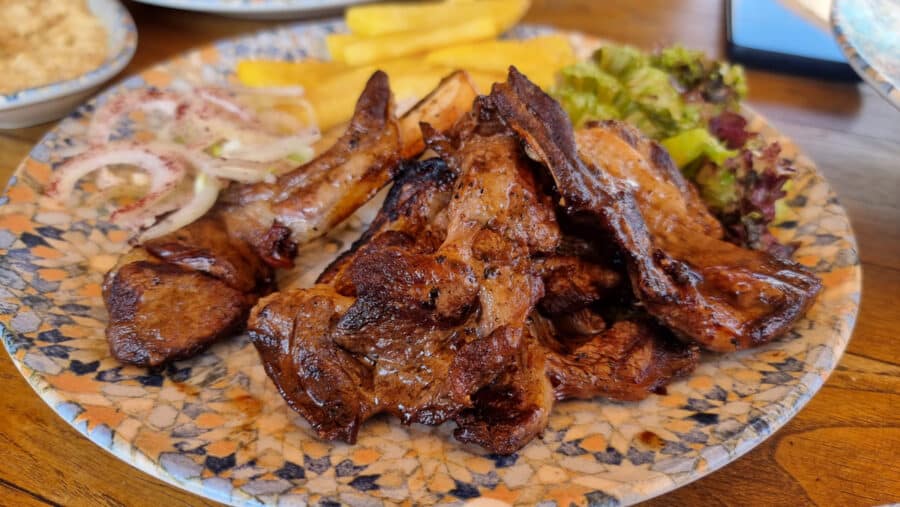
(869, 33)
(259, 9)
(215, 424)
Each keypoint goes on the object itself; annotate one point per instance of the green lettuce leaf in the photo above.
(690, 145)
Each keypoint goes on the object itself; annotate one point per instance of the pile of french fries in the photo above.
(417, 44)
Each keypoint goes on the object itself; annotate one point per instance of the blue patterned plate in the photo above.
(216, 425)
(869, 33)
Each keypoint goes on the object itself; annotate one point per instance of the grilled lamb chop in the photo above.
(197, 285)
(428, 312)
(430, 316)
(705, 289)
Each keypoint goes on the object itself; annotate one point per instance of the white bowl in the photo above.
(269, 10)
(52, 101)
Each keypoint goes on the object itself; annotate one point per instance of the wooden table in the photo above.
(842, 449)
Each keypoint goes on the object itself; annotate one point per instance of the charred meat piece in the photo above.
(230, 253)
(660, 177)
(628, 361)
(728, 297)
(723, 296)
(179, 293)
(572, 283)
(160, 311)
(256, 228)
(429, 309)
(514, 409)
(415, 207)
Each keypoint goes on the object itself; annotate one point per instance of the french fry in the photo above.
(331, 108)
(485, 80)
(374, 20)
(539, 57)
(452, 33)
(446, 103)
(336, 43)
(386, 47)
(262, 73)
(497, 55)
(333, 97)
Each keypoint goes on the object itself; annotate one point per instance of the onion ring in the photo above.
(164, 169)
(206, 191)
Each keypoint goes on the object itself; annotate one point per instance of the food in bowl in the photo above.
(44, 42)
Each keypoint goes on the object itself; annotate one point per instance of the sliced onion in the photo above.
(164, 169)
(206, 191)
(250, 152)
(244, 171)
(225, 101)
(269, 91)
(281, 121)
(209, 102)
(117, 107)
(276, 149)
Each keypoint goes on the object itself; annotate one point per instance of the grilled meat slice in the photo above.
(662, 177)
(415, 206)
(723, 296)
(728, 297)
(431, 304)
(238, 243)
(512, 410)
(572, 283)
(160, 311)
(172, 297)
(206, 246)
(627, 361)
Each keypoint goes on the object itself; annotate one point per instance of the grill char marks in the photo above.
(432, 303)
(483, 291)
(627, 361)
(160, 311)
(720, 295)
(435, 307)
(229, 254)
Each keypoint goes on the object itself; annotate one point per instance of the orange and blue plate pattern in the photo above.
(215, 424)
